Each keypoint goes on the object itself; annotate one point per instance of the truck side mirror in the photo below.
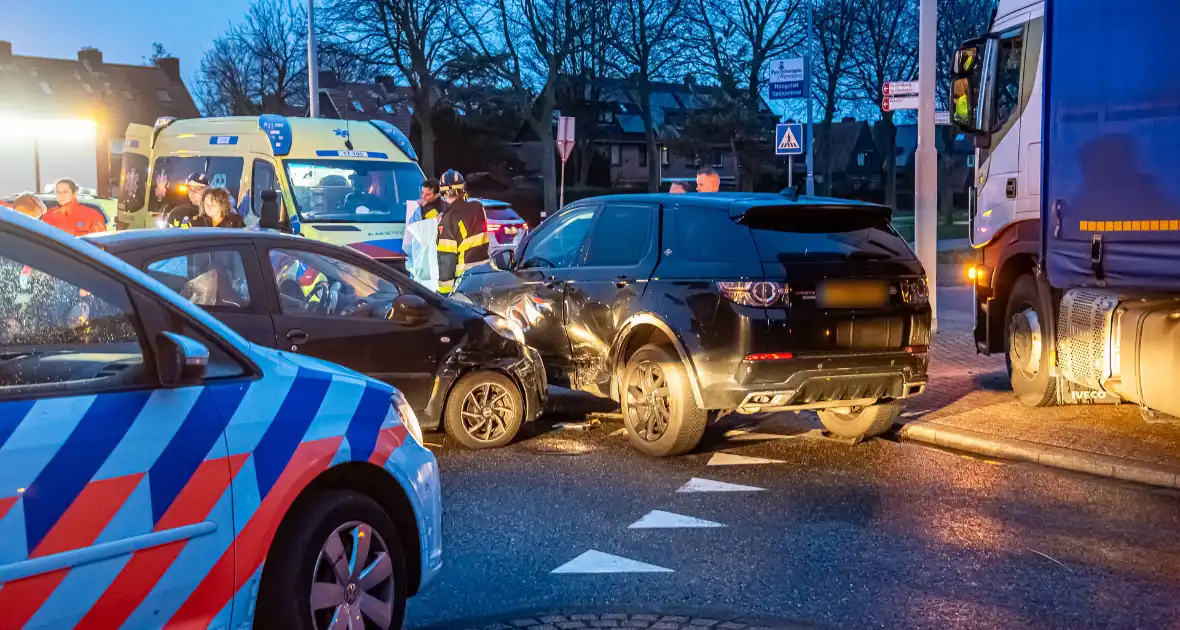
(269, 211)
(966, 74)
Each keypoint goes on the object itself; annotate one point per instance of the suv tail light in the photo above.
(494, 227)
(760, 294)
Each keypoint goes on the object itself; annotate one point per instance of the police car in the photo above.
(156, 469)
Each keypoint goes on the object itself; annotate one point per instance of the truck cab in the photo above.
(338, 181)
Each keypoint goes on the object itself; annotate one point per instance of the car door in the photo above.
(224, 280)
(606, 284)
(113, 488)
(332, 306)
(532, 291)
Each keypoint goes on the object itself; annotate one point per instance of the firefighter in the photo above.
(462, 233)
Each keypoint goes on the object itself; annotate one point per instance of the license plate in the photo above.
(853, 294)
(510, 230)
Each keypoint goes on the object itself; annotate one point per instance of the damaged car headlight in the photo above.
(506, 328)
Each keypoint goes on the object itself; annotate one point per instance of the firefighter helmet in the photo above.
(452, 182)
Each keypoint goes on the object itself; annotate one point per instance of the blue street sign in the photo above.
(789, 89)
(788, 139)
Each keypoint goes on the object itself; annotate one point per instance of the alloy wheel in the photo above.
(352, 586)
(487, 411)
(649, 401)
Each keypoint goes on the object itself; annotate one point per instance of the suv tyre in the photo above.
(866, 422)
(659, 411)
(368, 579)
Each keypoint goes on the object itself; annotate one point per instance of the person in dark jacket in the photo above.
(184, 214)
(431, 203)
(462, 233)
(217, 211)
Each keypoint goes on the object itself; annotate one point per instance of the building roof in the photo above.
(845, 135)
(906, 144)
(113, 94)
(380, 100)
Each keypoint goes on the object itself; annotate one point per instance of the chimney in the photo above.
(170, 66)
(327, 79)
(5, 51)
(91, 58)
(690, 79)
(386, 83)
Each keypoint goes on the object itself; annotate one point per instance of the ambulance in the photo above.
(344, 182)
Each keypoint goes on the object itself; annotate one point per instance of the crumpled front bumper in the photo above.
(526, 369)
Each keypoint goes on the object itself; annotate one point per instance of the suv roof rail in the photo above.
(791, 193)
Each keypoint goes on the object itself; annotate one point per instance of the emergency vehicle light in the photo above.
(396, 136)
(12, 128)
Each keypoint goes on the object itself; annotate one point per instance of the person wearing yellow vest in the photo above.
(462, 233)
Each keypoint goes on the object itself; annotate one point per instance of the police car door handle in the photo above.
(296, 335)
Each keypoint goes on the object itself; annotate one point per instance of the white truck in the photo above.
(1076, 109)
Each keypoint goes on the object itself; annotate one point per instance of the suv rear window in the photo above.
(825, 234)
(501, 213)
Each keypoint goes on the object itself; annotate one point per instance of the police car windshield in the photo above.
(353, 191)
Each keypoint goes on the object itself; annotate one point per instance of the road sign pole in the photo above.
(790, 171)
(561, 197)
(313, 66)
(926, 157)
(810, 120)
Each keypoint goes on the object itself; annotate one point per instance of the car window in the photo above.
(830, 234)
(309, 283)
(213, 278)
(557, 244)
(501, 213)
(62, 322)
(710, 235)
(170, 174)
(622, 235)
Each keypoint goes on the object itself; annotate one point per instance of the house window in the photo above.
(357, 106)
(164, 96)
(718, 159)
(642, 155)
(87, 89)
(616, 158)
(862, 159)
(388, 108)
(46, 89)
(665, 156)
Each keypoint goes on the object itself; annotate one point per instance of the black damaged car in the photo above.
(679, 306)
(460, 368)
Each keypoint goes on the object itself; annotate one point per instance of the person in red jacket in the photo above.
(72, 217)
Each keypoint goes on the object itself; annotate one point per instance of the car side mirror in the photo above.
(408, 309)
(504, 259)
(269, 219)
(180, 361)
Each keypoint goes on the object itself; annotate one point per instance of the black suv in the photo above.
(680, 305)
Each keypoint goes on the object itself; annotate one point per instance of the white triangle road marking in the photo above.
(729, 459)
(597, 562)
(659, 519)
(696, 484)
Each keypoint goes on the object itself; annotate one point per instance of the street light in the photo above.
(926, 156)
(313, 65)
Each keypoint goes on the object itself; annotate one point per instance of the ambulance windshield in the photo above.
(353, 191)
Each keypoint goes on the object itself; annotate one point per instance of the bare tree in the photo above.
(414, 37)
(226, 81)
(836, 26)
(647, 49)
(527, 43)
(158, 53)
(735, 40)
(581, 88)
(886, 50)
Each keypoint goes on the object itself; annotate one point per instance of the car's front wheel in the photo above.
(658, 408)
(484, 410)
(859, 423)
(338, 557)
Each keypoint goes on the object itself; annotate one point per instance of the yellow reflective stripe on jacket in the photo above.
(430, 214)
(473, 241)
(447, 246)
(462, 230)
(446, 286)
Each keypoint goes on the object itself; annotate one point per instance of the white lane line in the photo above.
(659, 519)
(696, 484)
(728, 459)
(597, 562)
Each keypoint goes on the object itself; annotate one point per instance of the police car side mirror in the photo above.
(503, 259)
(180, 361)
(269, 211)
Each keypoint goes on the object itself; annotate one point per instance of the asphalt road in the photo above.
(880, 534)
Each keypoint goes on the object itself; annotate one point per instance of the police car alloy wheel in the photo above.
(353, 578)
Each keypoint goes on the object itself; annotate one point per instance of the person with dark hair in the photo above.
(708, 181)
(677, 188)
(217, 211)
(431, 203)
(70, 216)
(184, 214)
(462, 233)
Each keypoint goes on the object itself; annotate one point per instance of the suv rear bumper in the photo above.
(818, 382)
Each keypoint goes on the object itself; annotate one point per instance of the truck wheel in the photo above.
(866, 422)
(658, 408)
(1027, 346)
(336, 556)
(484, 410)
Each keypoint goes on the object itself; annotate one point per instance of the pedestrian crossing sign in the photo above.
(786, 139)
